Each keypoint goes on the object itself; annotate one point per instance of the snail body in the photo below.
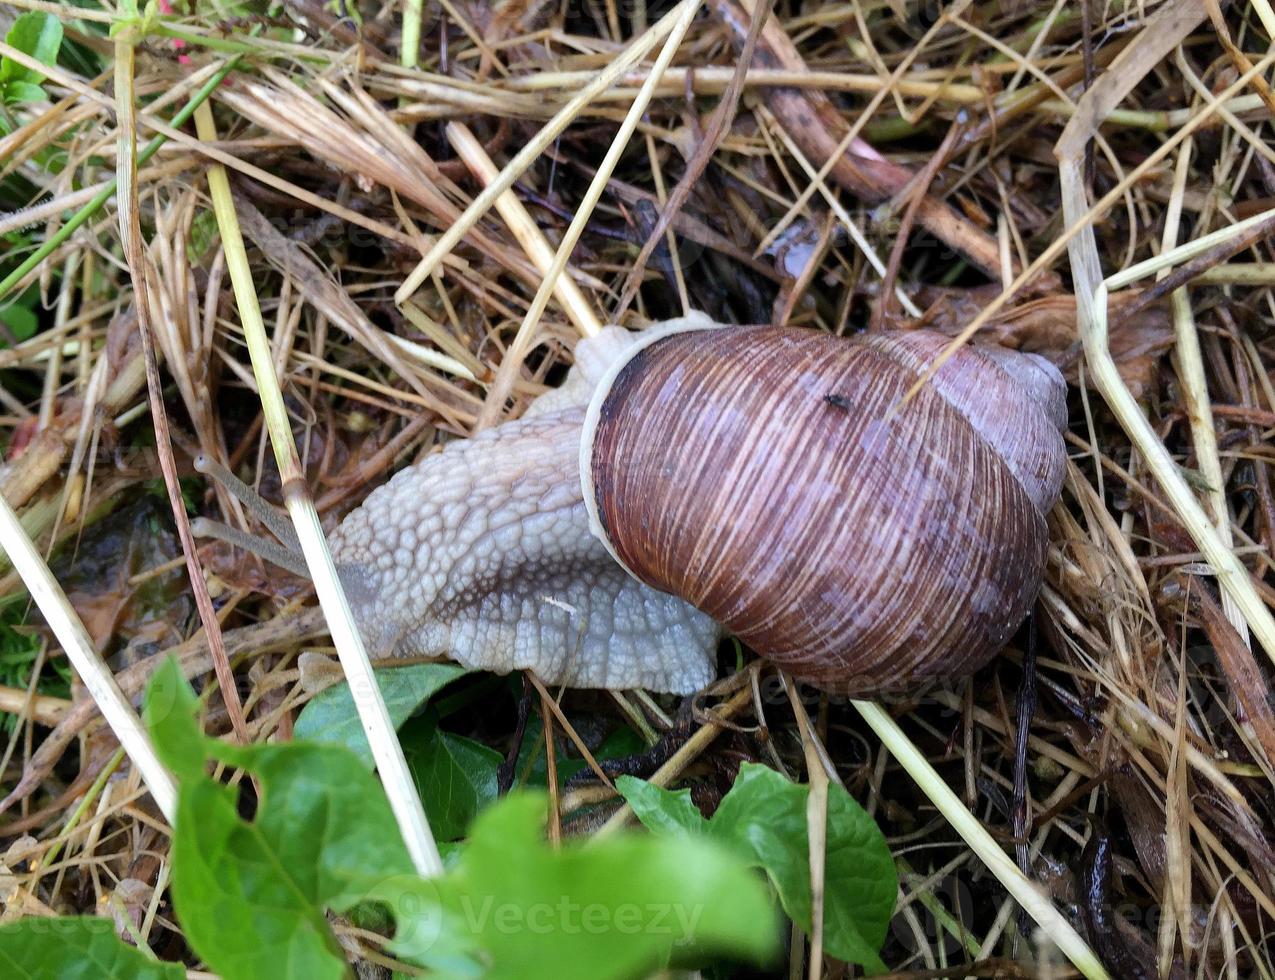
(482, 552)
(775, 481)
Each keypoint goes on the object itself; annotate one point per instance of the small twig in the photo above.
(81, 808)
(718, 126)
(1242, 63)
(508, 769)
(1086, 48)
(1091, 295)
(409, 43)
(920, 188)
(817, 126)
(551, 763)
(135, 256)
(40, 708)
(549, 703)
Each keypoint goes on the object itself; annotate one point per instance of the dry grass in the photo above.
(903, 175)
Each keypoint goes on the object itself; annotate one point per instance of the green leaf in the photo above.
(22, 92)
(240, 909)
(612, 908)
(21, 320)
(864, 883)
(456, 777)
(662, 810)
(251, 895)
(168, 709)
(763, 817)
(75, 948)
(36, 34)
(330, 717)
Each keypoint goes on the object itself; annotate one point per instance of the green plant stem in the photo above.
(108, 190)
(219, 44)
(81, 808)
(410, 43)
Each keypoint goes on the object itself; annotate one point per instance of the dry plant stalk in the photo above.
(524, 228)
(139, 267)
(521, 344)
(1165, 30)
(97, 677)
(636, 50)
(386, 750)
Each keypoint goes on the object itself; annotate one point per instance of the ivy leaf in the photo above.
(664, 811)
(168, 709)
(331, 718)
(240, 909)
(75, 948)
(322, 838)
(251, 895)
(456, 777)
(612, 908)
(36, 34)
(763, 818)
(533, 769)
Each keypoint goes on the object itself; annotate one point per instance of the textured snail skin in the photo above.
(482, 552)
(777, 480)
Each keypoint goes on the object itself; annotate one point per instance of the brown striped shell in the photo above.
(777, 480)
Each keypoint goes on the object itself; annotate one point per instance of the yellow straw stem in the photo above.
(525, 229)
(505, 376)
(515, 168)
(97, 677)
(972, 831)
(378, 728)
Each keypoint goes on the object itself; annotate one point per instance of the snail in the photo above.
(773, 482)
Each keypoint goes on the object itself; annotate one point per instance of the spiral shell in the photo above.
(778, 480)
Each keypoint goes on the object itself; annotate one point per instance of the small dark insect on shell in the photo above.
(837, 401)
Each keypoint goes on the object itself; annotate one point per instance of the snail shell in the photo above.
(780, 481)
